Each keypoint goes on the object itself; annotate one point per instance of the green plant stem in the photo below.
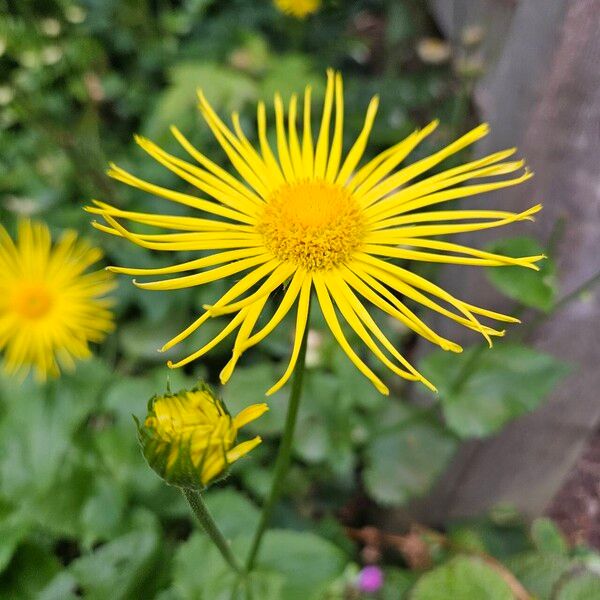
(283, 456)
(200, 509)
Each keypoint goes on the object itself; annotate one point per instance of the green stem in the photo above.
(200, 509)
(283, 456)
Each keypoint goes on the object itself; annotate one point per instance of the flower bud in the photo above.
(189, 438)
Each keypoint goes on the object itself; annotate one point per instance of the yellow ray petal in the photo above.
(406, 282)
(427, 187)
(368, 287)
(487, 258)
(357, 150)
(301, 321)
(282, 309)
(167, 221)
(243, 163)
(369, 175)
(237, 320)
(334, 326)
(295, 152)
(355, 315)
(277, 277)
(249, 414)
(445, 196)
(178, 283)
(455, 215)
(335, 153)
(202, 179)
(265, 147)
(211, 166)
(185, 199)
(254, 312)
(282, 145)
(199, 263)
(307, 140)
(368, 196)
(323, 140)
(242, 449)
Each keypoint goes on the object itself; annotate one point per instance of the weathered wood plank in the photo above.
(543, 95)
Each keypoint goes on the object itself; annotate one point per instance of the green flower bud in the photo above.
(189, 438)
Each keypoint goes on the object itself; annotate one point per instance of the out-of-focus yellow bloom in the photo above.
(50, 309)
(189, 438)
(313, 220)
(298, 8)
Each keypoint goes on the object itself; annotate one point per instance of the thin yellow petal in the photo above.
(334, 326)
(242, 449)
(249, 414)
(322, 148)
(301, 321)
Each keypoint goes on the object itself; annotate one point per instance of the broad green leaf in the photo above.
(496, 385)
(547, 537)
(539, 573)
(462, 577)
(583, 586)
(234, 512)
(32, 567)
(14, 527)
(211, 577)
(118, 568)
(536, 289)
(226, 89)
(404, 460)
(307, 562)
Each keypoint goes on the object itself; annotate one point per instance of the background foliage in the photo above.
(80, 512)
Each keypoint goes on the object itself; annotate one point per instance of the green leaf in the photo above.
(536, 289)
(403, 461)
(14, 527)
(584, 586)
(497, 385)
(212, 578)
(547, 537)
(464, 578)
(539, 573)
(226, 90)
(234, 512)
(117, 569)
(307, 562)
(31, 568)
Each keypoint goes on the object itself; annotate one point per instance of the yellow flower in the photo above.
(298, 8)
(50, 309)
(310, 219)
(189, 438)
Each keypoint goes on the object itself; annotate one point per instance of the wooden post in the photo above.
(542, 94)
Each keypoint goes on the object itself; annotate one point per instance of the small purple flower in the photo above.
(370, 579)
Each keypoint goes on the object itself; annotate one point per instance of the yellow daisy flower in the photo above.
(189, 438)
(49, 308)
(310, 219)
(298, 8)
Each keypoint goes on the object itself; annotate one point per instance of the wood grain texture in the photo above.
(544, 96)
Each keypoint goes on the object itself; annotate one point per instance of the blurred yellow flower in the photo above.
(298, 8)
(189, 438)
(312, 220)
(50, 309)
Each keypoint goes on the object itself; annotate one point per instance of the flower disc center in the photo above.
(313, 224)
(32, 301)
